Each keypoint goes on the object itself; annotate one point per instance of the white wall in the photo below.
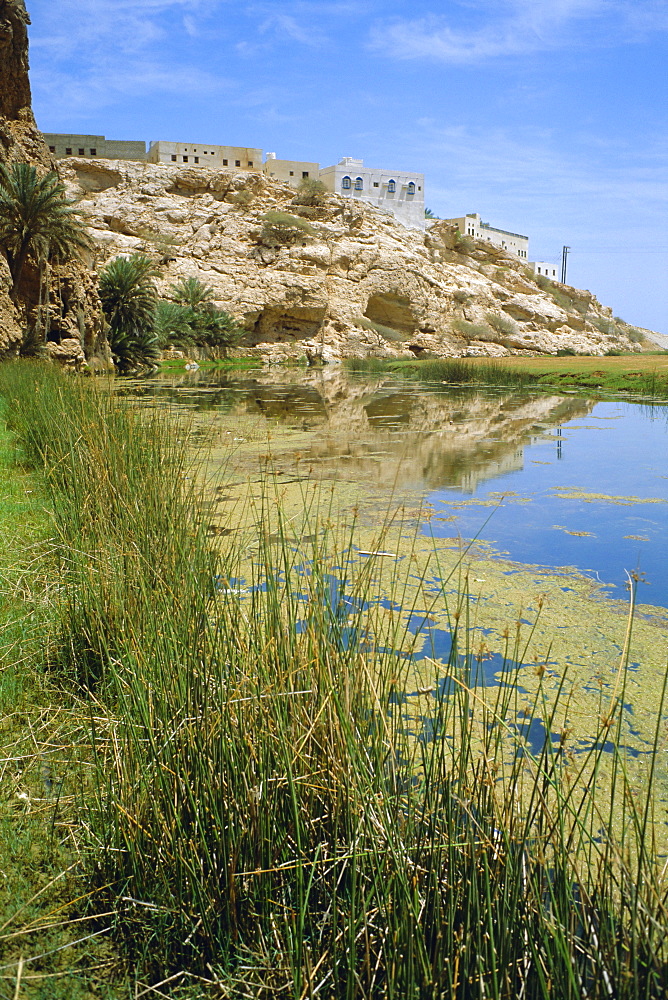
(397, 191)
(543, 267)
(472, 225)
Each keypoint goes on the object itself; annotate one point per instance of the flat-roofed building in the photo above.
(202, 154)
(63, 144)
(545, 268)
(472, 225)
(400, 192)
(291, 171)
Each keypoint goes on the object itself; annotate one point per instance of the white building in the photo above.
(396, 191)
(291, 171)
(542, 267)
(205, 155)
(472, 225)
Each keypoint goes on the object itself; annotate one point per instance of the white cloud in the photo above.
(286, 26)
(483, 30)
(66, 27)
(90, 54)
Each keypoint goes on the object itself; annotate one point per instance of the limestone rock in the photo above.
(68, 353)
(74, 308)
(358, 284)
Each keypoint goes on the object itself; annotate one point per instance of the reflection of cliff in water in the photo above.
(385, 432)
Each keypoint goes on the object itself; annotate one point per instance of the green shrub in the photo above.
(311, 192)
(635, 336)
(386, 332)
(472, 331)
(461, 296)
(542, 281)
(464, 244)
(243, 198)
(280, 229)
(502, 324)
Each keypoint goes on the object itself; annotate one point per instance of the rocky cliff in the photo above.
(74, 321)
(358, 284)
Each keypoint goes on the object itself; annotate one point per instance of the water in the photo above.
(555, 480)
(618, 452)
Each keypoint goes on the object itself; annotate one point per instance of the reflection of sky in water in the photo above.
(619, 450)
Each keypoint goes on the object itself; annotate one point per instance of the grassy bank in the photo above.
(255, 813)
(644, 374)
(42, 956)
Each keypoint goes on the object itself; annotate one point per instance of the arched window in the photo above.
(346, 184)
(359, 184)
(411, 188)
(391, 186)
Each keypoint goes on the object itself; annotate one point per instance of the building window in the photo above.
(292, 173)
(52, 149)
(419, 188)
(173, 157)
(237, 163)
(68, 151)
(411, 188)
(250, 163)
(304, 174)
(391, 186)
(376, 184)
(346, 183)
(197, 159)
(82, 152)
(224, 163)
(185, 159)
(359, 184)
(93, 152)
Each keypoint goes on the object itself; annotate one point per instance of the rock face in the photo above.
(360, 284)
(73, 309)
(446, 440)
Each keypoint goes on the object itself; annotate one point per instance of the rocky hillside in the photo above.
(74, 313)
(358, 283)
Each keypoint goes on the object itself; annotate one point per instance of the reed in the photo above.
(452, 371)
(264, 814)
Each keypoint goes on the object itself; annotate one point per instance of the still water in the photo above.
(553, 480)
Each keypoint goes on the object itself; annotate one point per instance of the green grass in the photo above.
(255, 814)
(640, 375)
(39, 733)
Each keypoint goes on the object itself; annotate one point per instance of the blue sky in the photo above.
(549, 117)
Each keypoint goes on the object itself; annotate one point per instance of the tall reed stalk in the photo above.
(260, 812)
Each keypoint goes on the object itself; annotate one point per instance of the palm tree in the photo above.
(129, 300)
(191, 292)
(199, 322)
(37, 220)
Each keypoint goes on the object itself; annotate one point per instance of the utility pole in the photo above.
(564, 261)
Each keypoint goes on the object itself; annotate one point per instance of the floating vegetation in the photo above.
(316, 773)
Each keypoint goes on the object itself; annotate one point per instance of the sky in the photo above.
(548, 117)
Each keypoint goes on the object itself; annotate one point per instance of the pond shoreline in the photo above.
(255, 805)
